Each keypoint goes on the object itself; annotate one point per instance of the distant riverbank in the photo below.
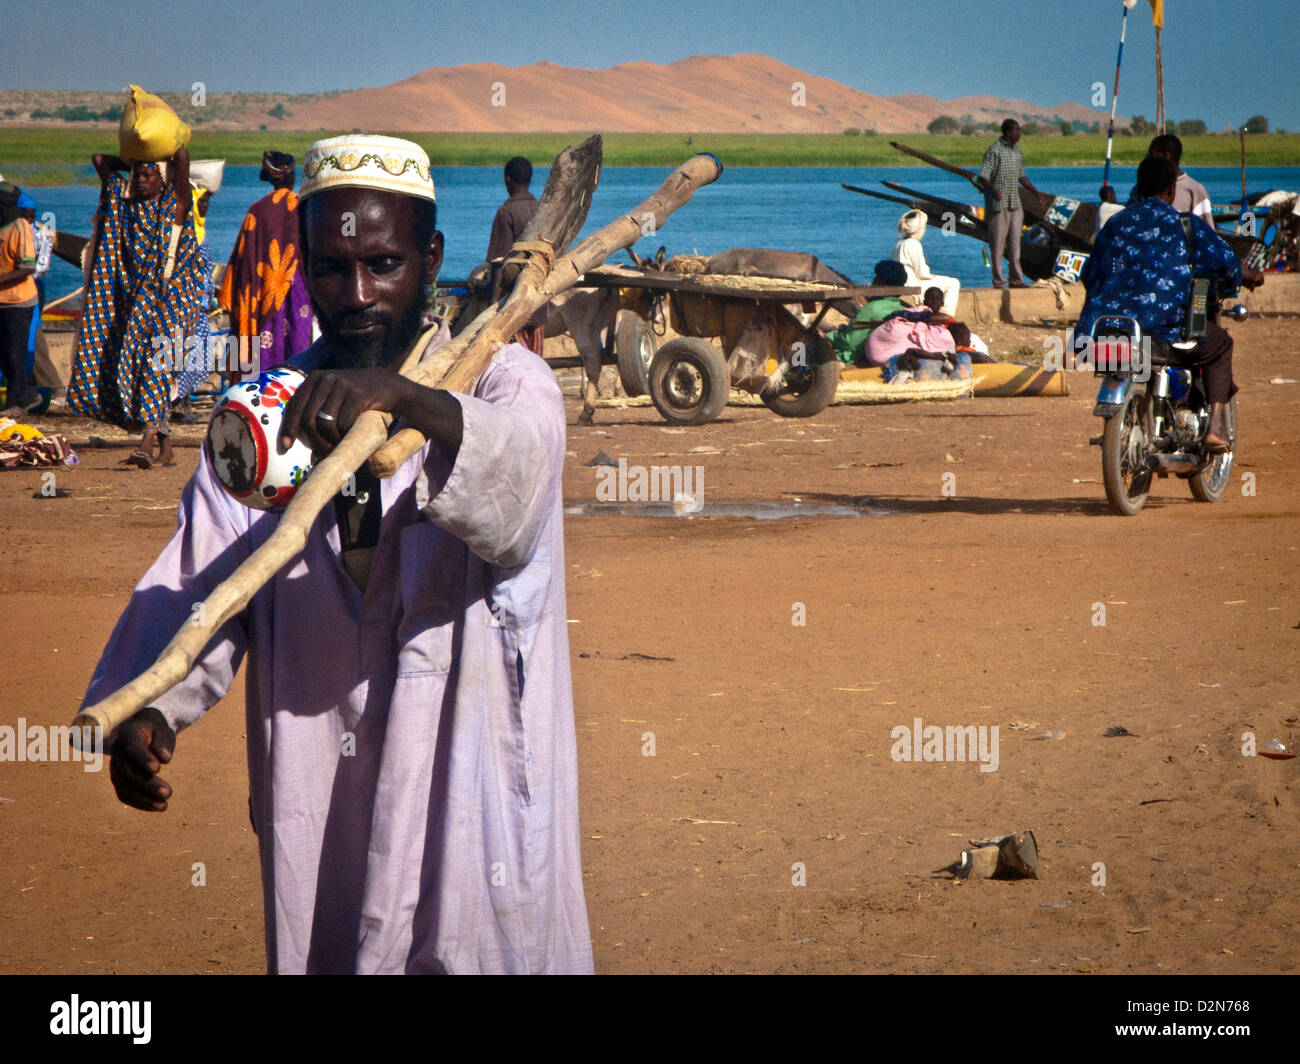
(41, 155)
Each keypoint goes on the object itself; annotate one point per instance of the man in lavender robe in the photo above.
(411, 747)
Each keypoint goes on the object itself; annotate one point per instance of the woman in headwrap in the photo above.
(142, 303)
(264, 288)
(911, 227)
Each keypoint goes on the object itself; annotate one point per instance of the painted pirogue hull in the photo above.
(1061, 230)
(992, 379)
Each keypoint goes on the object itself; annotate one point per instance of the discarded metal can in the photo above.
(1012, 856)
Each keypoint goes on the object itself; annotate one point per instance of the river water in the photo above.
(796, 208)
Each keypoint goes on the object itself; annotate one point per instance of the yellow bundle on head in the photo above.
(150, 130)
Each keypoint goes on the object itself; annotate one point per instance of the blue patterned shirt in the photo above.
(1139, 266)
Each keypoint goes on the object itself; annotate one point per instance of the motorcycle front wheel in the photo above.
(1124, 448)
(1211, 483)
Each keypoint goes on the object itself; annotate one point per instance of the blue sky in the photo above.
(1223, 63)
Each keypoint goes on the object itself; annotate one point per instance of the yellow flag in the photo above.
(1158, 13)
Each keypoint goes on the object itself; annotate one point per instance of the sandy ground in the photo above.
(772, 741)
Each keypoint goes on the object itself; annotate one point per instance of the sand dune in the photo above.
(703, 93)
(708, 93)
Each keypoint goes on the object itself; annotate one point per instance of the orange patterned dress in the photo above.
(264, 288)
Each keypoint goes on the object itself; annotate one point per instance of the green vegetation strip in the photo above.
(36, 148)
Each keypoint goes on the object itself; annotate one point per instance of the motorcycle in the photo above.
(1156, 413)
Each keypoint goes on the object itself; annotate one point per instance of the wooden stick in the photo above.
(369, 433)
(458, 366)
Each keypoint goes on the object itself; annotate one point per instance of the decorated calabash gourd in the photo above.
(242, 441)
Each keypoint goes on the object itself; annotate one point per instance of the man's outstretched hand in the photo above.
(142, 746)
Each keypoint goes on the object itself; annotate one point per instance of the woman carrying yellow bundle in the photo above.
(143, 301)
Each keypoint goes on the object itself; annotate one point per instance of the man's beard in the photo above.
(362, 352)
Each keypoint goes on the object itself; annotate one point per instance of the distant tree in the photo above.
(969, 129)
(10, 112)
(1139, 125)
(1066, 128)
(277, 111)
(944, 124)
(1257, 124)
(1030, 129)
(853, 131)
(1193, 127)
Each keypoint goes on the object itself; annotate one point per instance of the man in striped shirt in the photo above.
(1000, 179)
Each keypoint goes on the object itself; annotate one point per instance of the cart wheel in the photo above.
(808, 389)
(689, 383)
(634, 346)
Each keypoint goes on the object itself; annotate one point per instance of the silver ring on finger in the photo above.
(329, 419)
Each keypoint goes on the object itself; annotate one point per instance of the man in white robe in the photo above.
(411, 747)
(911, 228)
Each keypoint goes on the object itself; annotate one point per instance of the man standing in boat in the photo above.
(1000, 179)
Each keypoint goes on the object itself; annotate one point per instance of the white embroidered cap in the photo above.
(357, 160)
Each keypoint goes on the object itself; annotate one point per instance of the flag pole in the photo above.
(1114, 96)
(1245, 208)
(1160, 85)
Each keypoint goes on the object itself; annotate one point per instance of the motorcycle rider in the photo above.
(1142, 266)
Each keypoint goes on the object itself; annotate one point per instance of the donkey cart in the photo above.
(767, 349)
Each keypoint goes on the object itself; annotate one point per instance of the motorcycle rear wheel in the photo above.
(1211, 483)
(1124, 446)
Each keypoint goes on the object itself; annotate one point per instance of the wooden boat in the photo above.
(991, 379)
(1059, 238)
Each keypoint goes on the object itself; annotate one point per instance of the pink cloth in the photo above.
(897, 335)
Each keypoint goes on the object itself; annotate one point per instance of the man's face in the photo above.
(146, 180)
(365, 274)
(1012, 133)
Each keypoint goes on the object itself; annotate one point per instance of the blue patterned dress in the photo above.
(122, 373)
